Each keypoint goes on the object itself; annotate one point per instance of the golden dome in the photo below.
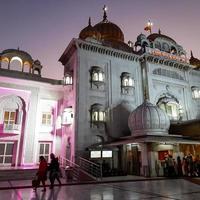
(89, 31)
(108, 30)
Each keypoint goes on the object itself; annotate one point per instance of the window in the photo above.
(97, 76)
(173, 110)
(67, 80)
(127, 83)
(6, 153)
(44, 150)
(67, 116)
(195, 92)
(97, 114)
(46, 119)
(9, 117)
(158, 45)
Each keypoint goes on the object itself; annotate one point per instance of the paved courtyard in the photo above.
(176, 189)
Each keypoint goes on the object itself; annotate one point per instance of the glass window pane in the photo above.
(95, 77)
(8, 159)
(100, 76)
(12, 115)
(130, 82)
(1, 159)
(6, 116)
(101, 116)
(47, 149)
(2, 147)
(9, 149)
(41, 148)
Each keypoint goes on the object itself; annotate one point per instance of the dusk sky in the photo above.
(44, 28)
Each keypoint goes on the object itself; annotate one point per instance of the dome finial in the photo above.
(159, 31)
(89, 21)
(104, 13)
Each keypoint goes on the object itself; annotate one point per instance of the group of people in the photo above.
(44, 167)
(187, 166)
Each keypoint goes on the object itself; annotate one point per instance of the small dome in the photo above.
(89, 31)
(148, 119)
(154, 36)
(141, 37)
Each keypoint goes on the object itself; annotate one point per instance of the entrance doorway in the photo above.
(133, 160)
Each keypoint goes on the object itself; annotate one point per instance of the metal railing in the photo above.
(90, 167)
(69, 165)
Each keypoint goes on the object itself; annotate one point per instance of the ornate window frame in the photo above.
(68, 79)
(127, 83)
(97, 115)
(168, 100)
(97, 76)
(195, 92)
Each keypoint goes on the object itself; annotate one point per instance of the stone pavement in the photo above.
(163, 189)
(16, 184)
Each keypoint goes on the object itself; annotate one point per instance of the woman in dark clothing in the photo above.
(54, 170)
(42, 173)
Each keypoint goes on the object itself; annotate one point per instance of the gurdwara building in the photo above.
(126, 104)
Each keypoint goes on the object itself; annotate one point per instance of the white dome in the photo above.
(148, 119)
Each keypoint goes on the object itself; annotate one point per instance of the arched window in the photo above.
(171, 106)
(127, 82)
(165, 47)
(158, 45)
(195, 92)
(97, 76)
(26, 67)
(16, 63)
(67, 79)
(4, 63)
(97, 113)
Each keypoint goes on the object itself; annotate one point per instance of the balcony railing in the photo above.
(11, 127)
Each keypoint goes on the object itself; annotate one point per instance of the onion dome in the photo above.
(140, 38)
(148, 119)
(108, 30)
(89, 31)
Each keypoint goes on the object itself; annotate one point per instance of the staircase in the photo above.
(17, 174)
(85, 171)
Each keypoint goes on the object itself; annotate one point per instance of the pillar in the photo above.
(145, 160)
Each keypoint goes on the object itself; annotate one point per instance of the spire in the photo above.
(104, 13)
(89, 21)
(159, 31)
(191, 53)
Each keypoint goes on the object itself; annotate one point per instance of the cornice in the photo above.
(98, 48)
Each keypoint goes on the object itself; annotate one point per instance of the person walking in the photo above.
(54, 170)
(42, 173)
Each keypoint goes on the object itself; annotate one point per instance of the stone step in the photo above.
(17, 174)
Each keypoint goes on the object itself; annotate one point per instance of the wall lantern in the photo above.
(67, 116)
(67, 79)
